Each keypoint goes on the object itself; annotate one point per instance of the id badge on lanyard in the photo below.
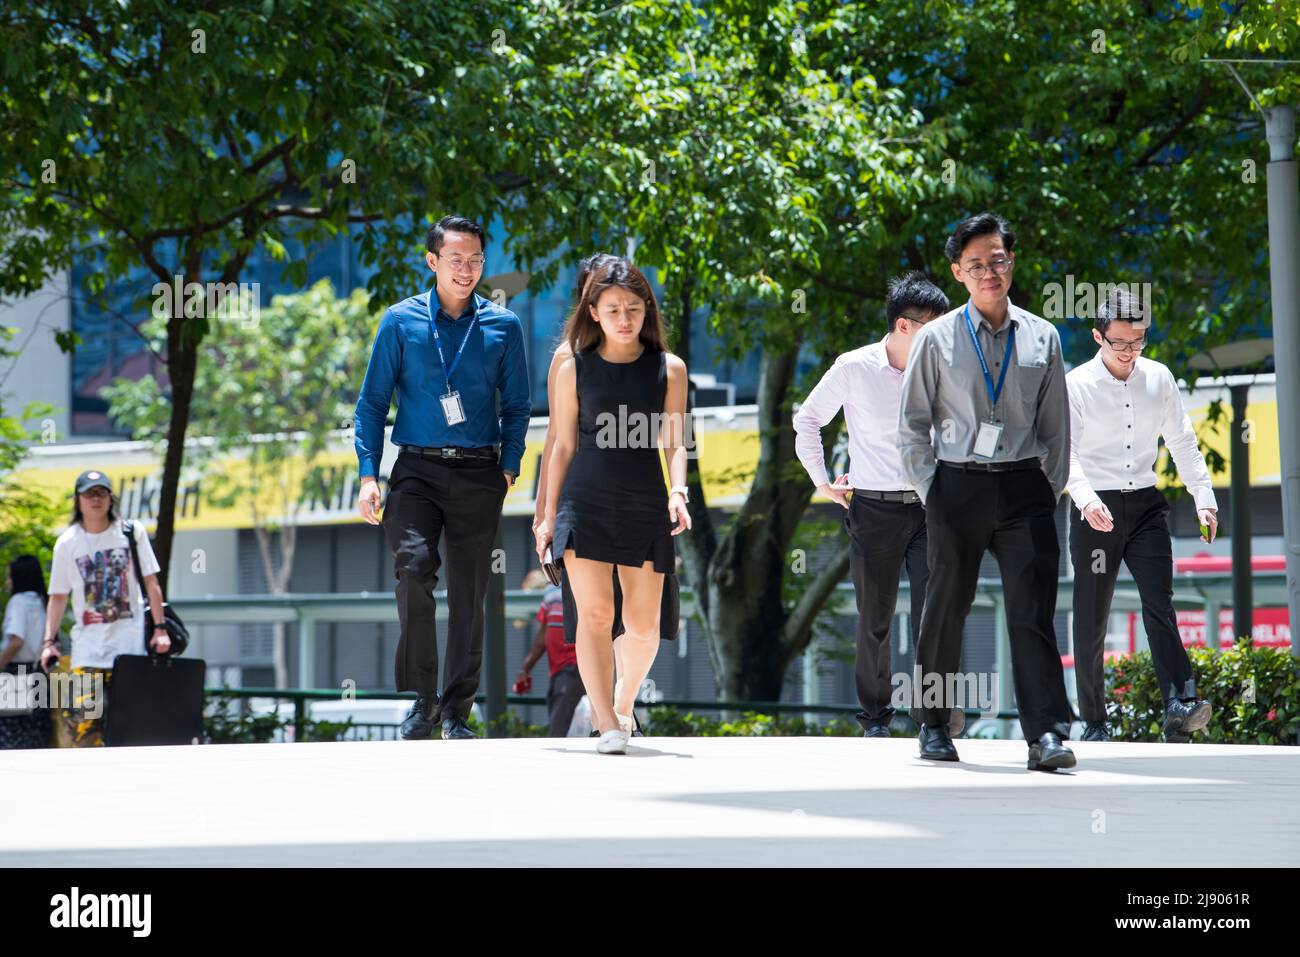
(452, 410)
(986, 440)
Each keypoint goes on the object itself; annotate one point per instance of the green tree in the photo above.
(183, 140)
(30, 521)
(268, 397)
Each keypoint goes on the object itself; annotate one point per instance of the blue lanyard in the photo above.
(994, 394)
(437, 340)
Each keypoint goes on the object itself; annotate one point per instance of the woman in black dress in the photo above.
(618, 398)
(670, 606)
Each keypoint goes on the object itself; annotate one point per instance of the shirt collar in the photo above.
(882, 355)
(471, 310)
(1102, 374)
(978, 318)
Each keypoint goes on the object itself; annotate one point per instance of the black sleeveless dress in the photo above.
(614, 503)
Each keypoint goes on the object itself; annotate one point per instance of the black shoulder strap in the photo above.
(129, 529)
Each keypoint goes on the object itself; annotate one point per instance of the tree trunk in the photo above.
(182, 363)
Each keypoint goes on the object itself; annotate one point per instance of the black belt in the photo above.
(908, 497)
(484, 452)
(1020, 465)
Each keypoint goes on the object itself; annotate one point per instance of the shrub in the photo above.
(1255, 693)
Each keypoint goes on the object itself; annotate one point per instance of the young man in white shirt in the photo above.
(885, 520)
(1120, 406)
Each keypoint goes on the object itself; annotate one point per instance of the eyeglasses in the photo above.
(97, 492)
(1126, 345)
(457, 263)
(979, 270)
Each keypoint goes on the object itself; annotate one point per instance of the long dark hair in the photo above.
(27, 575)
(584, 333)
(586, 268)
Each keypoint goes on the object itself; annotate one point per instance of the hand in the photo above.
(678, 514)
(540, 529)
(161, 641)
(50, 654)
(836, 493)
(368, 503)
(543, 537)
(523, 682)
(510, 478)
(1098, 516)
(1209, 517)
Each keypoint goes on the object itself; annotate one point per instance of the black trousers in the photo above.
(883, 538)
(1141, 540)
(562, 697)
(428, 498)
(1010, 514)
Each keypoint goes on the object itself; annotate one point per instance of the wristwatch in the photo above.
(686, 492)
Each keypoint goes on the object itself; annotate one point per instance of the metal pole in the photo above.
(1243, 602)
(494, 642)
(1284, 278)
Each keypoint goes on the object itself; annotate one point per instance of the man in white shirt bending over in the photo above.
(1120, 406)
(885, 520)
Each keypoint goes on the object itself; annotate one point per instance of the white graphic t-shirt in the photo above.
(107, 608)
(25, 617)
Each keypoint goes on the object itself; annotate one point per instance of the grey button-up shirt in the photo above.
(944, 390)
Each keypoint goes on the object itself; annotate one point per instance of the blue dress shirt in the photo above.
(405, 358)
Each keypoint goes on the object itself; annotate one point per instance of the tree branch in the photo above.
(798, 626)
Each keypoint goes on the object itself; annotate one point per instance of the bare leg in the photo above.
(593, 593)
(642, 595)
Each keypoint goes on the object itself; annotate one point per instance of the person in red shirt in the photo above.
(566, 688)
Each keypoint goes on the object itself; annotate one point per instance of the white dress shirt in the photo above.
(1115, 427)
(870, 391)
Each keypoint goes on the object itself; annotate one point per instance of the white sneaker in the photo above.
(626, 722)
(612, 742)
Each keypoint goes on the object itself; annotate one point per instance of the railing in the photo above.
(1193, 590)
(301, 698)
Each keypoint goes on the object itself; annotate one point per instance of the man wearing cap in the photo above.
(449, 353)
(92, 563)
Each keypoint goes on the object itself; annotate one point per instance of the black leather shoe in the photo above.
(876, 731)
(456, 728)
(1185, 716)
(1096, 731)
(1049, 754)
(936, 745)
(419, 721)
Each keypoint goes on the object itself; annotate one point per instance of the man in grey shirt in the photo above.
(988, 379)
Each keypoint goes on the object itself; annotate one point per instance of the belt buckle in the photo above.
(450, 453)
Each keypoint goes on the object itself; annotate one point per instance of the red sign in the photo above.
(1270, 627)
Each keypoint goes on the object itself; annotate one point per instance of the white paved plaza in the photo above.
(669, 801)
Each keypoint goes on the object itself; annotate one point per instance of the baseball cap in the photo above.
(93, 479)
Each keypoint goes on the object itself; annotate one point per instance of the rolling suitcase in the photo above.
(155, 700)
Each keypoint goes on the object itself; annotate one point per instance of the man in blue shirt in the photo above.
(448, 353)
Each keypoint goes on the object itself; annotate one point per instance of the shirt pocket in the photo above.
(1029, 381)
